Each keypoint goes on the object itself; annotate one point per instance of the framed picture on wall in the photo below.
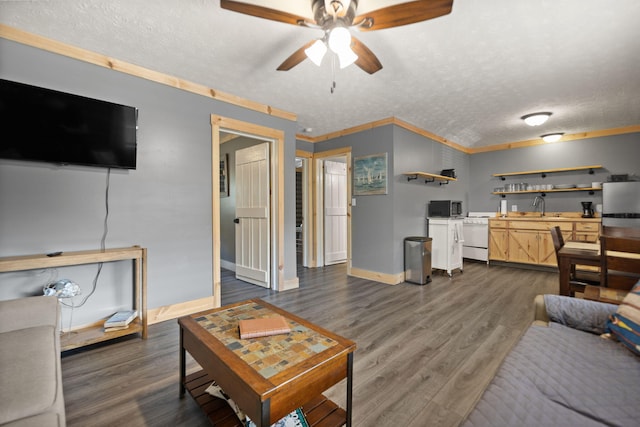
(370, 175)
(224, 175)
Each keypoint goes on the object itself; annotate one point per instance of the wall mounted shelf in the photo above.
(429, 177)
(543, 192)
(544, 172)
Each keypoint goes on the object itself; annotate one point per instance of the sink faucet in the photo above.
(539, 200)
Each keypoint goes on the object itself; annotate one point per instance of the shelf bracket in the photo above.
(428, 180)
(544, 175)
(591, 171)
(502, 178)
(503, 195)
(411, 177)
(543, 194)
(591, 193)
(443, 182)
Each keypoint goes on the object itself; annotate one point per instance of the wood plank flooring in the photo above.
(425, 353)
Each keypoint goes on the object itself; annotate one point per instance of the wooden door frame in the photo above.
(318, 198)
(276, 139)
(308, 260)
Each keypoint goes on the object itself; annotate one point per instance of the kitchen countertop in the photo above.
(554, 216)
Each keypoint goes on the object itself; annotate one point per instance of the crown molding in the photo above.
(69, 51)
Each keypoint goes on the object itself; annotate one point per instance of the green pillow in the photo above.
(624, 324)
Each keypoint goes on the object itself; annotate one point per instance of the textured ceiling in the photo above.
(467, 76)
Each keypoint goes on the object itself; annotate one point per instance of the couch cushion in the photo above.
(40, 420)
(624, 324)
(559, 376)
(28, 368)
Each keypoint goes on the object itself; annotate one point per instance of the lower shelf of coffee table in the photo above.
(319, 412)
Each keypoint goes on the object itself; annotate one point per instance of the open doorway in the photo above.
(245, 212)
(226, 131)
(304, 216)
(332, 174)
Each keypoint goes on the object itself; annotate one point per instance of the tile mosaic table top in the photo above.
(267, 355)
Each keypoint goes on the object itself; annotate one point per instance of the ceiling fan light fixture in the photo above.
(347, 58)
(339, 40)
(340, 44)
(316, 52)
(536, 119)
(552, 137)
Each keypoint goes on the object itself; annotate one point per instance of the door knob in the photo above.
(237, 220)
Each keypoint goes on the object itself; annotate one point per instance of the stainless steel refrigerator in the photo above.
(621, 204)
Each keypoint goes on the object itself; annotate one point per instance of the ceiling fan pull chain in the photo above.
(333, 73)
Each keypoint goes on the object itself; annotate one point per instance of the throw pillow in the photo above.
(624, 324)
(294, 419)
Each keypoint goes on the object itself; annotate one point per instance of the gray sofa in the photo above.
(31, 378)
(562, 373)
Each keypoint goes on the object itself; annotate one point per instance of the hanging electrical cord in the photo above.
(102, 247)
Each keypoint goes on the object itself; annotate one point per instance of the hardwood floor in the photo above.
(425, 353)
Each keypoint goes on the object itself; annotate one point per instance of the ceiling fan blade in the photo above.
(367, 60)
(403, 14)
(297, 57)
(264, 12)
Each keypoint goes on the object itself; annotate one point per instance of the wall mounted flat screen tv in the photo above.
(45, 125)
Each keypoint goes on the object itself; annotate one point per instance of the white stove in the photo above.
(476, 235)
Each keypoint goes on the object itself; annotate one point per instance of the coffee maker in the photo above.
(587, 210)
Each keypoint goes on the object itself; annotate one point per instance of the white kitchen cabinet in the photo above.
(448, 237)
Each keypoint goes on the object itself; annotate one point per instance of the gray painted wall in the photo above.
(305, 146)
(381, 219)
(372, 217)
(413, 153)
(617, 154)
(378, 220)
(164, 205)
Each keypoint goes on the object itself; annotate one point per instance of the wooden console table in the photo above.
(267, 377)
(94, 333)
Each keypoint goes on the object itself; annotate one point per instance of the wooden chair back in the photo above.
(556, 237)
(620, 258)
(577, 280)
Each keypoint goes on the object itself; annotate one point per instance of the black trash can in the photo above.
(417, 259)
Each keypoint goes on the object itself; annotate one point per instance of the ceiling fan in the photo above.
(335, 18)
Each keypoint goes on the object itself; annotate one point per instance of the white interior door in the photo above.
(252, 215)
(335, 212)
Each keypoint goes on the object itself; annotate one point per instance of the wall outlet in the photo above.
(353, 201)
(514, 208)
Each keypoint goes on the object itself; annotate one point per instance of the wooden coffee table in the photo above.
(267, 377)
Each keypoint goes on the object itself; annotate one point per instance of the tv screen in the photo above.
(45, 125)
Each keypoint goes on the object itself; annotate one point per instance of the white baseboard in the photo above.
(290, 284)
(228, 265)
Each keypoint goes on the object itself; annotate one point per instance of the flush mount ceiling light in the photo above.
(552, 137)
(536, 119)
